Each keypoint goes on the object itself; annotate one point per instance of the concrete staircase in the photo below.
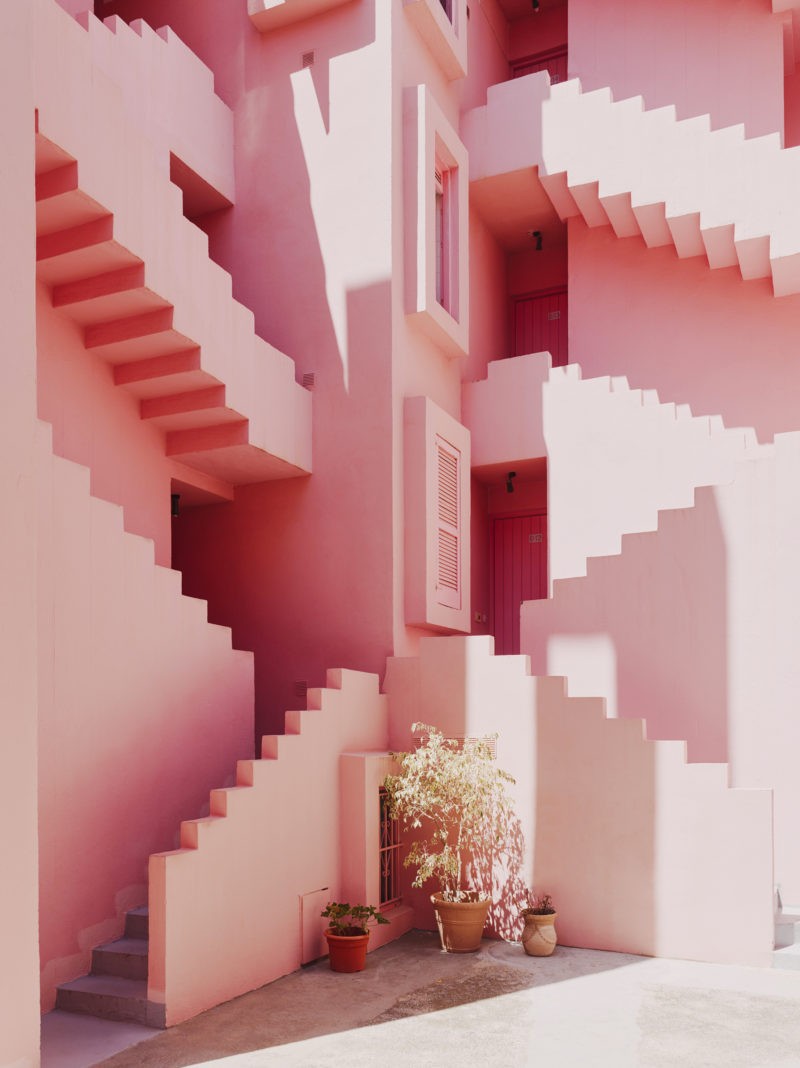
(618, 454)
(674, 182)
(122, 261)
(116, 988)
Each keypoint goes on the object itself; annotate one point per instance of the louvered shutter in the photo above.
(448, 566)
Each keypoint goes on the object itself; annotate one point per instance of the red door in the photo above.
(518, 573)
(540, 324)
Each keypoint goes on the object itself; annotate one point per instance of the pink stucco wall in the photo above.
(19, 984)
(716, 57)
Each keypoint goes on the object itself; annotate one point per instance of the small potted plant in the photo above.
(539, 935)
(455, 798)
(348, 934)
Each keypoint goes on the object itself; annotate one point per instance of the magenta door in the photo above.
(540, 324)
(517, 573)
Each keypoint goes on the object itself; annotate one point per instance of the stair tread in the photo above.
(108, 985)
(133, 946)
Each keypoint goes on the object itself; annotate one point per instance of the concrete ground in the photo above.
(417, 1006)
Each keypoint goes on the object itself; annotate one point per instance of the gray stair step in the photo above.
(787, 928)
(788, 958)
(111, 998)
(127, 958)
(137, 922)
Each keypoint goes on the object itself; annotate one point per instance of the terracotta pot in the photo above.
(347, 953)
(539, 936)
(460, 923)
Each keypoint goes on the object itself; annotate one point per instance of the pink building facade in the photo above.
(375, 362)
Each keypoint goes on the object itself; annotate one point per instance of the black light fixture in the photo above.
(175, 501)
(510, 481)
(535, 5)
(537, 237)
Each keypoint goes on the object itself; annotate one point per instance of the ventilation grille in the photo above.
(301, 690)
(489, 740)
(309, 380)
(308, 59)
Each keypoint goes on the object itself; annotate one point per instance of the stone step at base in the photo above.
(111, 998)
(137, 923)
(787, 958)
(787, 928)
(126, 958)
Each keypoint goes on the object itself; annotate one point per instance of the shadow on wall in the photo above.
(656, 620)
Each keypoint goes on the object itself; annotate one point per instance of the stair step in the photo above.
(787, 928)
(787, 958)
(111, 998)
(126, 958)
(137, 922)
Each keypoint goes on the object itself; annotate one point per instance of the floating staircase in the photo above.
(116, 988)
(654, 454)
(122, 261)
(707, 192)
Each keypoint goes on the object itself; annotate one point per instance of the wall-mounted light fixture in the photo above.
(537, 237)
(510, 481)
(175, 502)
(535, 6)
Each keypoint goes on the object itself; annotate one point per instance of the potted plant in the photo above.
(539, 934)
(455, 798)
(348, 934)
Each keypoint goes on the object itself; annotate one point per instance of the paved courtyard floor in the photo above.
(416, 1006)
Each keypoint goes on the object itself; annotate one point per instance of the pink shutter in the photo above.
(448, 563)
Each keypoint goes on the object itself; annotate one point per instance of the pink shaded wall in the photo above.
(539, 32)
(529, 270)
(716, 57)
(636, 847)
(791, 109)
(224, 908)
(19, 985)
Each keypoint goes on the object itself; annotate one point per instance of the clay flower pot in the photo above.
(539, 937)
(347, 953)
(460, 923)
